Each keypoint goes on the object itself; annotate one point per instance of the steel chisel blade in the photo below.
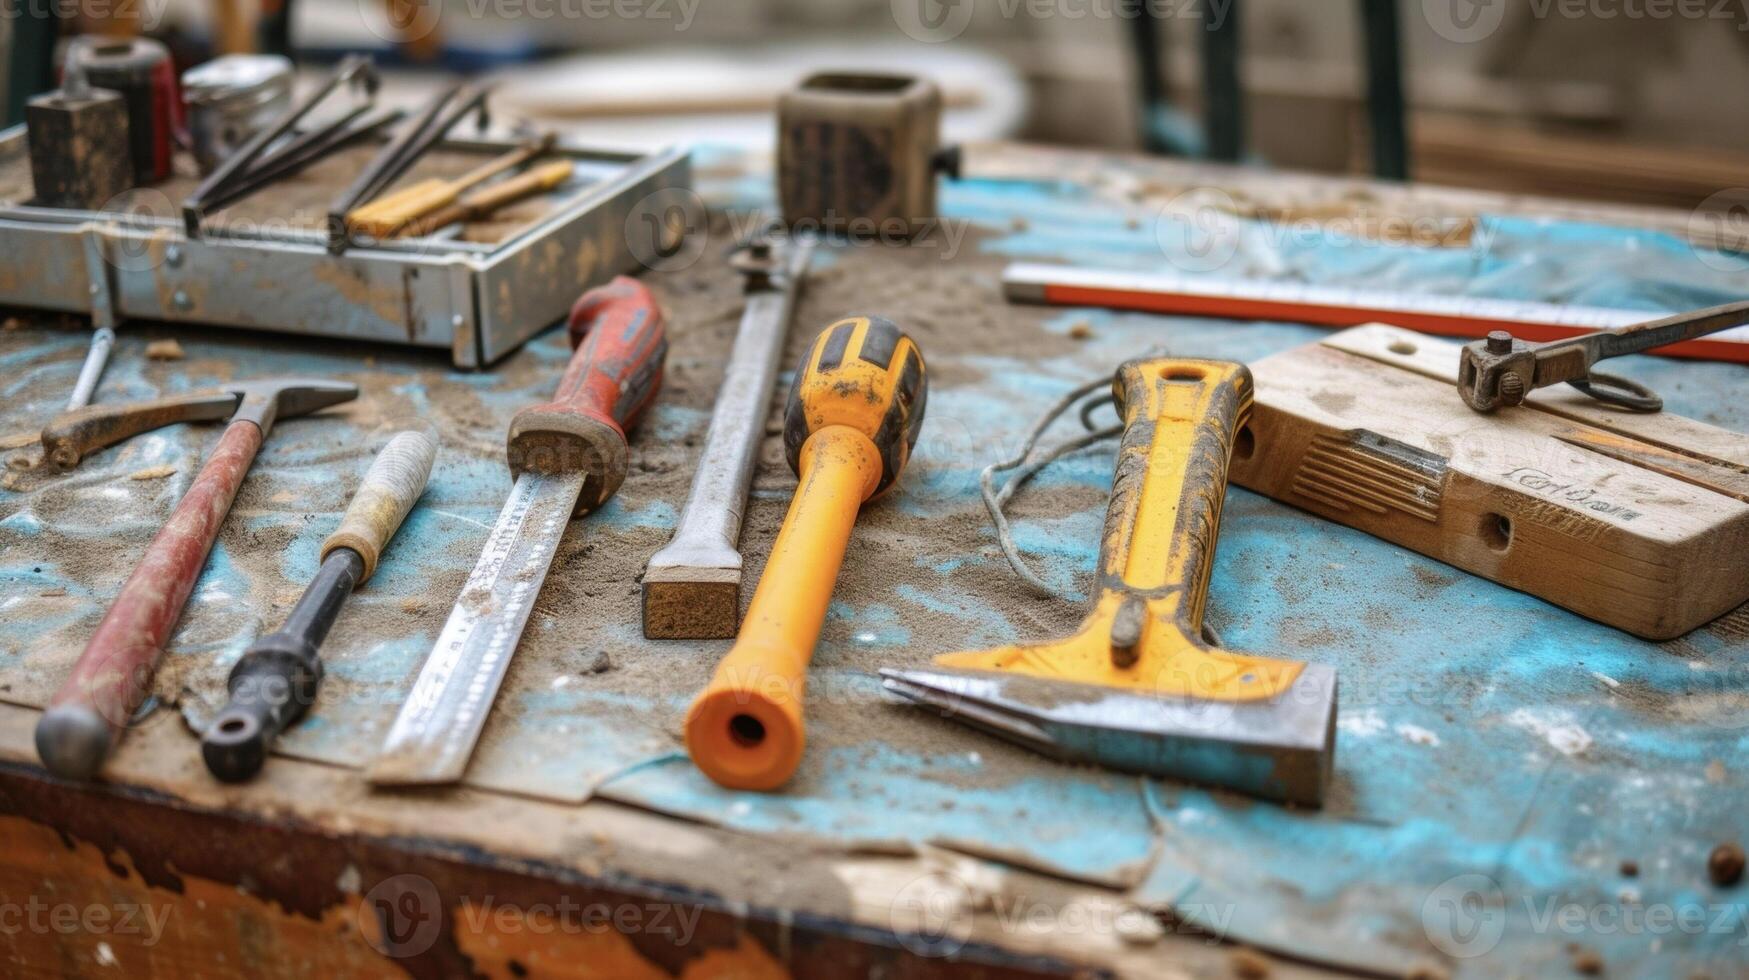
(434, 735)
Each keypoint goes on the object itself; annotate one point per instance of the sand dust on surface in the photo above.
(582, 618)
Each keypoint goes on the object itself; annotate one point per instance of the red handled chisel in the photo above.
(569, 456)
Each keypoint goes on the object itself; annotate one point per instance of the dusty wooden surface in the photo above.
(1361, 429)
(308, 846)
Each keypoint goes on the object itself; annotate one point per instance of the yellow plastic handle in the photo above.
(1181, 421)
(852, 418)
(745, 731)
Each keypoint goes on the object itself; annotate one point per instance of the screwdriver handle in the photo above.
(389, 490)
(613, 376)
(865, 374)
(620, 339)
(745, 730)
(853, 416)
(276, 680)
(486, 201)
(493, 196)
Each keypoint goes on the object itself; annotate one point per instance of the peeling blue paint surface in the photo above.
(1498, 758)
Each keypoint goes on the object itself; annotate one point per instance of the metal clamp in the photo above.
(1502, 370)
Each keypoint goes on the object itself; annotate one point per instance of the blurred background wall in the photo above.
(1629, 100)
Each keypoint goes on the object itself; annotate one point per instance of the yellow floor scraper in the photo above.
(1138, 688)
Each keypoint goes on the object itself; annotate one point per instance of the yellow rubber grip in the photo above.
(1182, 420)
(745, 730)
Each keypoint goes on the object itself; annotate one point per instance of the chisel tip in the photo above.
(691, 603)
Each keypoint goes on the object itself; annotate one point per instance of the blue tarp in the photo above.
(1498, 758)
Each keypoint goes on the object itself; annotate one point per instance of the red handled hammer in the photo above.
(87, 715)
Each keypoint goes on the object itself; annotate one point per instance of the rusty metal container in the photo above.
(858, 153)
(78, 147)
(129, 257)
(230, 99)
(139, 69)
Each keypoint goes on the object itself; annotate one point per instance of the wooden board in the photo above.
(1640, 521)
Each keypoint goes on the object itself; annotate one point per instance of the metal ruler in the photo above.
(1336, 306)
(433, 737)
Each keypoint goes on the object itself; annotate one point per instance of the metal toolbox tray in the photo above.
(478, 299)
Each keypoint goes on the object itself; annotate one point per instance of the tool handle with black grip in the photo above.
(613, 376)
(865, 374)
(853, 416)
(278, 677)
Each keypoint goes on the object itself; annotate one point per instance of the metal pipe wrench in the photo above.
(1501, 370)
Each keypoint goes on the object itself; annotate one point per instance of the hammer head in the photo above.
(1136, 689)
(267, 400)
(73, 435)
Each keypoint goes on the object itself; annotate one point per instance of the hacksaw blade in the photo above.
(434, 735)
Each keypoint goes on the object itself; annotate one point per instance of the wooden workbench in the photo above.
(583, 844)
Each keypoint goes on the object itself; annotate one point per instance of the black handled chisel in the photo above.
(277, 678)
